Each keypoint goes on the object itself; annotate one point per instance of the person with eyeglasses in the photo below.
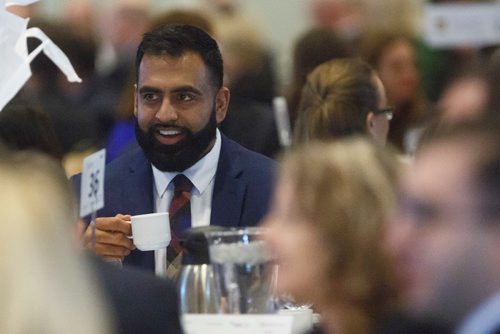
(343, 97)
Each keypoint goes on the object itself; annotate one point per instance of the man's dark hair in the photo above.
(177, 39)
(483, 135)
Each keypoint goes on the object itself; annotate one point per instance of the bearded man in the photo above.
(179, 102)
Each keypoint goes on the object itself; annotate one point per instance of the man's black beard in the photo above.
(180, 156)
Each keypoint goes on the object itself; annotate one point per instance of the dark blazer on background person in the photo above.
(141, 302)
(241, 195)
(252, 125)
(399, 323)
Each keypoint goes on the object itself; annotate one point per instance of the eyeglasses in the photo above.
(387, 111)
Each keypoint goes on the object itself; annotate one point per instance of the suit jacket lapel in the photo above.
(229, 189)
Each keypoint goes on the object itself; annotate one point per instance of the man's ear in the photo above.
(371, 128)
(370, 121)
(221, 104)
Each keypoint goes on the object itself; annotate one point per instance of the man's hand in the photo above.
(111, 237)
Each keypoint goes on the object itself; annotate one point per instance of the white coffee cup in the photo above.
(151, 231)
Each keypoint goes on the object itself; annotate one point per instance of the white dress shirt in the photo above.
(202, 175)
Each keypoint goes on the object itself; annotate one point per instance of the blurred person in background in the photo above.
(79, 115)
(465, 96)
(250, 68)
(122, 134)
(82, 17)
(91, 99)
(250, 75)
(351, 19)
(468, 96)
(344, 17)
(446, 235)
(192, 17)
(325, 229)
(26, 127)
(121, 24)
(393, 56)
(493, 75)
(248, 62)
(250, 119)
(311, 49)
(396, 15)
(47, 286)
(342, 97)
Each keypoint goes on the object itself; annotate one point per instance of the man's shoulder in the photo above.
(130, 159)
(133, 158)
(130, 164)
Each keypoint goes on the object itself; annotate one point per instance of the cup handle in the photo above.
(129, 236)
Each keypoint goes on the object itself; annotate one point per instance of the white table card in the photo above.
(237, 324)
(15, 65)
(454, 25)
(92, 187)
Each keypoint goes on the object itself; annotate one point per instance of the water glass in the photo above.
(243, 270)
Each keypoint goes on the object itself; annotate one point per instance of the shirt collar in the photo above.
(200, 174)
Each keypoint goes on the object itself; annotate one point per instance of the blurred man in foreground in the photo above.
(48, 285)
(447, 236)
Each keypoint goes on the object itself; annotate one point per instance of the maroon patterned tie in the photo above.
(179, 214)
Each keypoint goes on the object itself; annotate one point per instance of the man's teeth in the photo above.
(169, 132)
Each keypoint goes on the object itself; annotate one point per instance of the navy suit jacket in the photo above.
(241, 195)
(140, 302)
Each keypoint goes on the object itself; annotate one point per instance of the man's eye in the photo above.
(425, 213)
(422, 213)
(185, 97)
(150, 97)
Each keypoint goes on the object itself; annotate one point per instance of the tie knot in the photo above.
(182, 183)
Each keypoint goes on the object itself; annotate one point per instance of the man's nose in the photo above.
(400, 233)
(167, 112)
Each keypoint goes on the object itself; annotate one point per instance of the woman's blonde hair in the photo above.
(47, 287)
(346, 190)
(335, 101)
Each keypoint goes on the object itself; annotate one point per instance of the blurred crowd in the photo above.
(391, 182)
(421, 83)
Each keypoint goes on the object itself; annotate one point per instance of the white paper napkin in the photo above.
(14, 58)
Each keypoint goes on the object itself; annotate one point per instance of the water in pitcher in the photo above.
(245, 277)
